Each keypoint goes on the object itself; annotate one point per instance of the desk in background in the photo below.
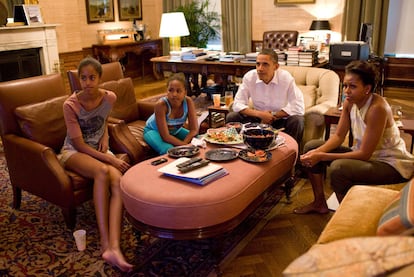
(191, 69)
(134, 56)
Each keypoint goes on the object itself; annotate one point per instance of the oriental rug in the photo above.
(34, 241)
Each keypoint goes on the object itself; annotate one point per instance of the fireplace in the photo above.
(28, 51)
(17, 64)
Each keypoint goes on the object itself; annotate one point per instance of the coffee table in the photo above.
(169, 208)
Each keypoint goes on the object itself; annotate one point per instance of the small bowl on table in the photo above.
(236, 125)
(259, 138)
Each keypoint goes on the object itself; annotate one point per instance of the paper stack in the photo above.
(200, 176)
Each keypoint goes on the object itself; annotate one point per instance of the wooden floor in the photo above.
(284, 235)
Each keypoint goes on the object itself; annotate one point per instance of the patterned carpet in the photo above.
(35, 242)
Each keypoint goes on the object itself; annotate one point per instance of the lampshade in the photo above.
(173, 26)
(319, 25)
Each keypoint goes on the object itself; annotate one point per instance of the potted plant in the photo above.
(202, 23)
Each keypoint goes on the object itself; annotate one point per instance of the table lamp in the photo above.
(318, 25)
(174, 26)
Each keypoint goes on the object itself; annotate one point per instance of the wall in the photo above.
(269, 16)
(74, 33)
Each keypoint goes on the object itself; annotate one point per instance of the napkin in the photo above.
(199, 142)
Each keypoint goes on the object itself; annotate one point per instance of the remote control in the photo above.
(159, 161)
(193, 166)
(188, 162)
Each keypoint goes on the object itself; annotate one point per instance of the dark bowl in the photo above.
(259, 138)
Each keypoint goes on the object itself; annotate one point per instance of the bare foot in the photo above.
(312, 208)
(115, 258)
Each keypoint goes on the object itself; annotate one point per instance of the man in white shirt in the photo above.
(275, 97)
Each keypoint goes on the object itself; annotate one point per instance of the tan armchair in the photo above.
(128, 116)
(279, 40)
(32, 129)
(320, 88)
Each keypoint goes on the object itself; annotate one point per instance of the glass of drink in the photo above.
(228, 98)
(396, 112)
(216, 99)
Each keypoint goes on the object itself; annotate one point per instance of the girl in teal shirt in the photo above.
(165, 127)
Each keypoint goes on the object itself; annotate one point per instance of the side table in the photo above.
(332, 117)
(408, 127)
(213, 109)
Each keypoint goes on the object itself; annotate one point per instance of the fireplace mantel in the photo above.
(33, 36)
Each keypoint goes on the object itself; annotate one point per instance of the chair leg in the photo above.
(69, 214)
(17, 197)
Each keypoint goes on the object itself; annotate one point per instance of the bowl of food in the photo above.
(236, 125)
(259, 138)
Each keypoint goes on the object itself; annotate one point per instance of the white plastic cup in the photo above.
(80, 239)
(216, 99)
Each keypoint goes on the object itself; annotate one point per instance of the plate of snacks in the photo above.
(183, 151)
(223, 135)
(255, 156)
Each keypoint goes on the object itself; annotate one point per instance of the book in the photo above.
(200, 176)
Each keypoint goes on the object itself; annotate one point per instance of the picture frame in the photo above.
(291, 2)
(27, 14)
(129, 10)
(100, 11)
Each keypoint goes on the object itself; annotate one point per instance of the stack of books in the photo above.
(293, 55)
(200, 176)
(308, 57)
(281, 57)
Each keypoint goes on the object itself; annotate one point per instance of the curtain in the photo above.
(236, 25)
(171, 5)
(366, 11)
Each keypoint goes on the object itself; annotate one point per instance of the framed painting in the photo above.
(130, 10)
(100, 11)
(289, 2)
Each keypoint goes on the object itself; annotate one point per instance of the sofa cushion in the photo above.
(398, 217)
(362, 206)
(369, 256)
(309, 95)
(125, 107)
(43, 122)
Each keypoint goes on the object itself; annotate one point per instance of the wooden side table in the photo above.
(408, 127)
(332, 117)
(212, 109)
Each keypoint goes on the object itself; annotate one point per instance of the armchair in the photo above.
(32, 126)
(279, 40)
(320, 88)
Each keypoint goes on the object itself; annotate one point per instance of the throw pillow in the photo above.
(43, 122)
(398, 217)
(309, 95)
(125, 107)
(361, 256)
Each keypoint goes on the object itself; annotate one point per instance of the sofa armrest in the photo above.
(115, 120)
(39, 172)
(321, 108)
(122, 141)
(145, 109)
(358, 214)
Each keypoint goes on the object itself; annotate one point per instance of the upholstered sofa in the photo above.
(365, 236)
(32, 130)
